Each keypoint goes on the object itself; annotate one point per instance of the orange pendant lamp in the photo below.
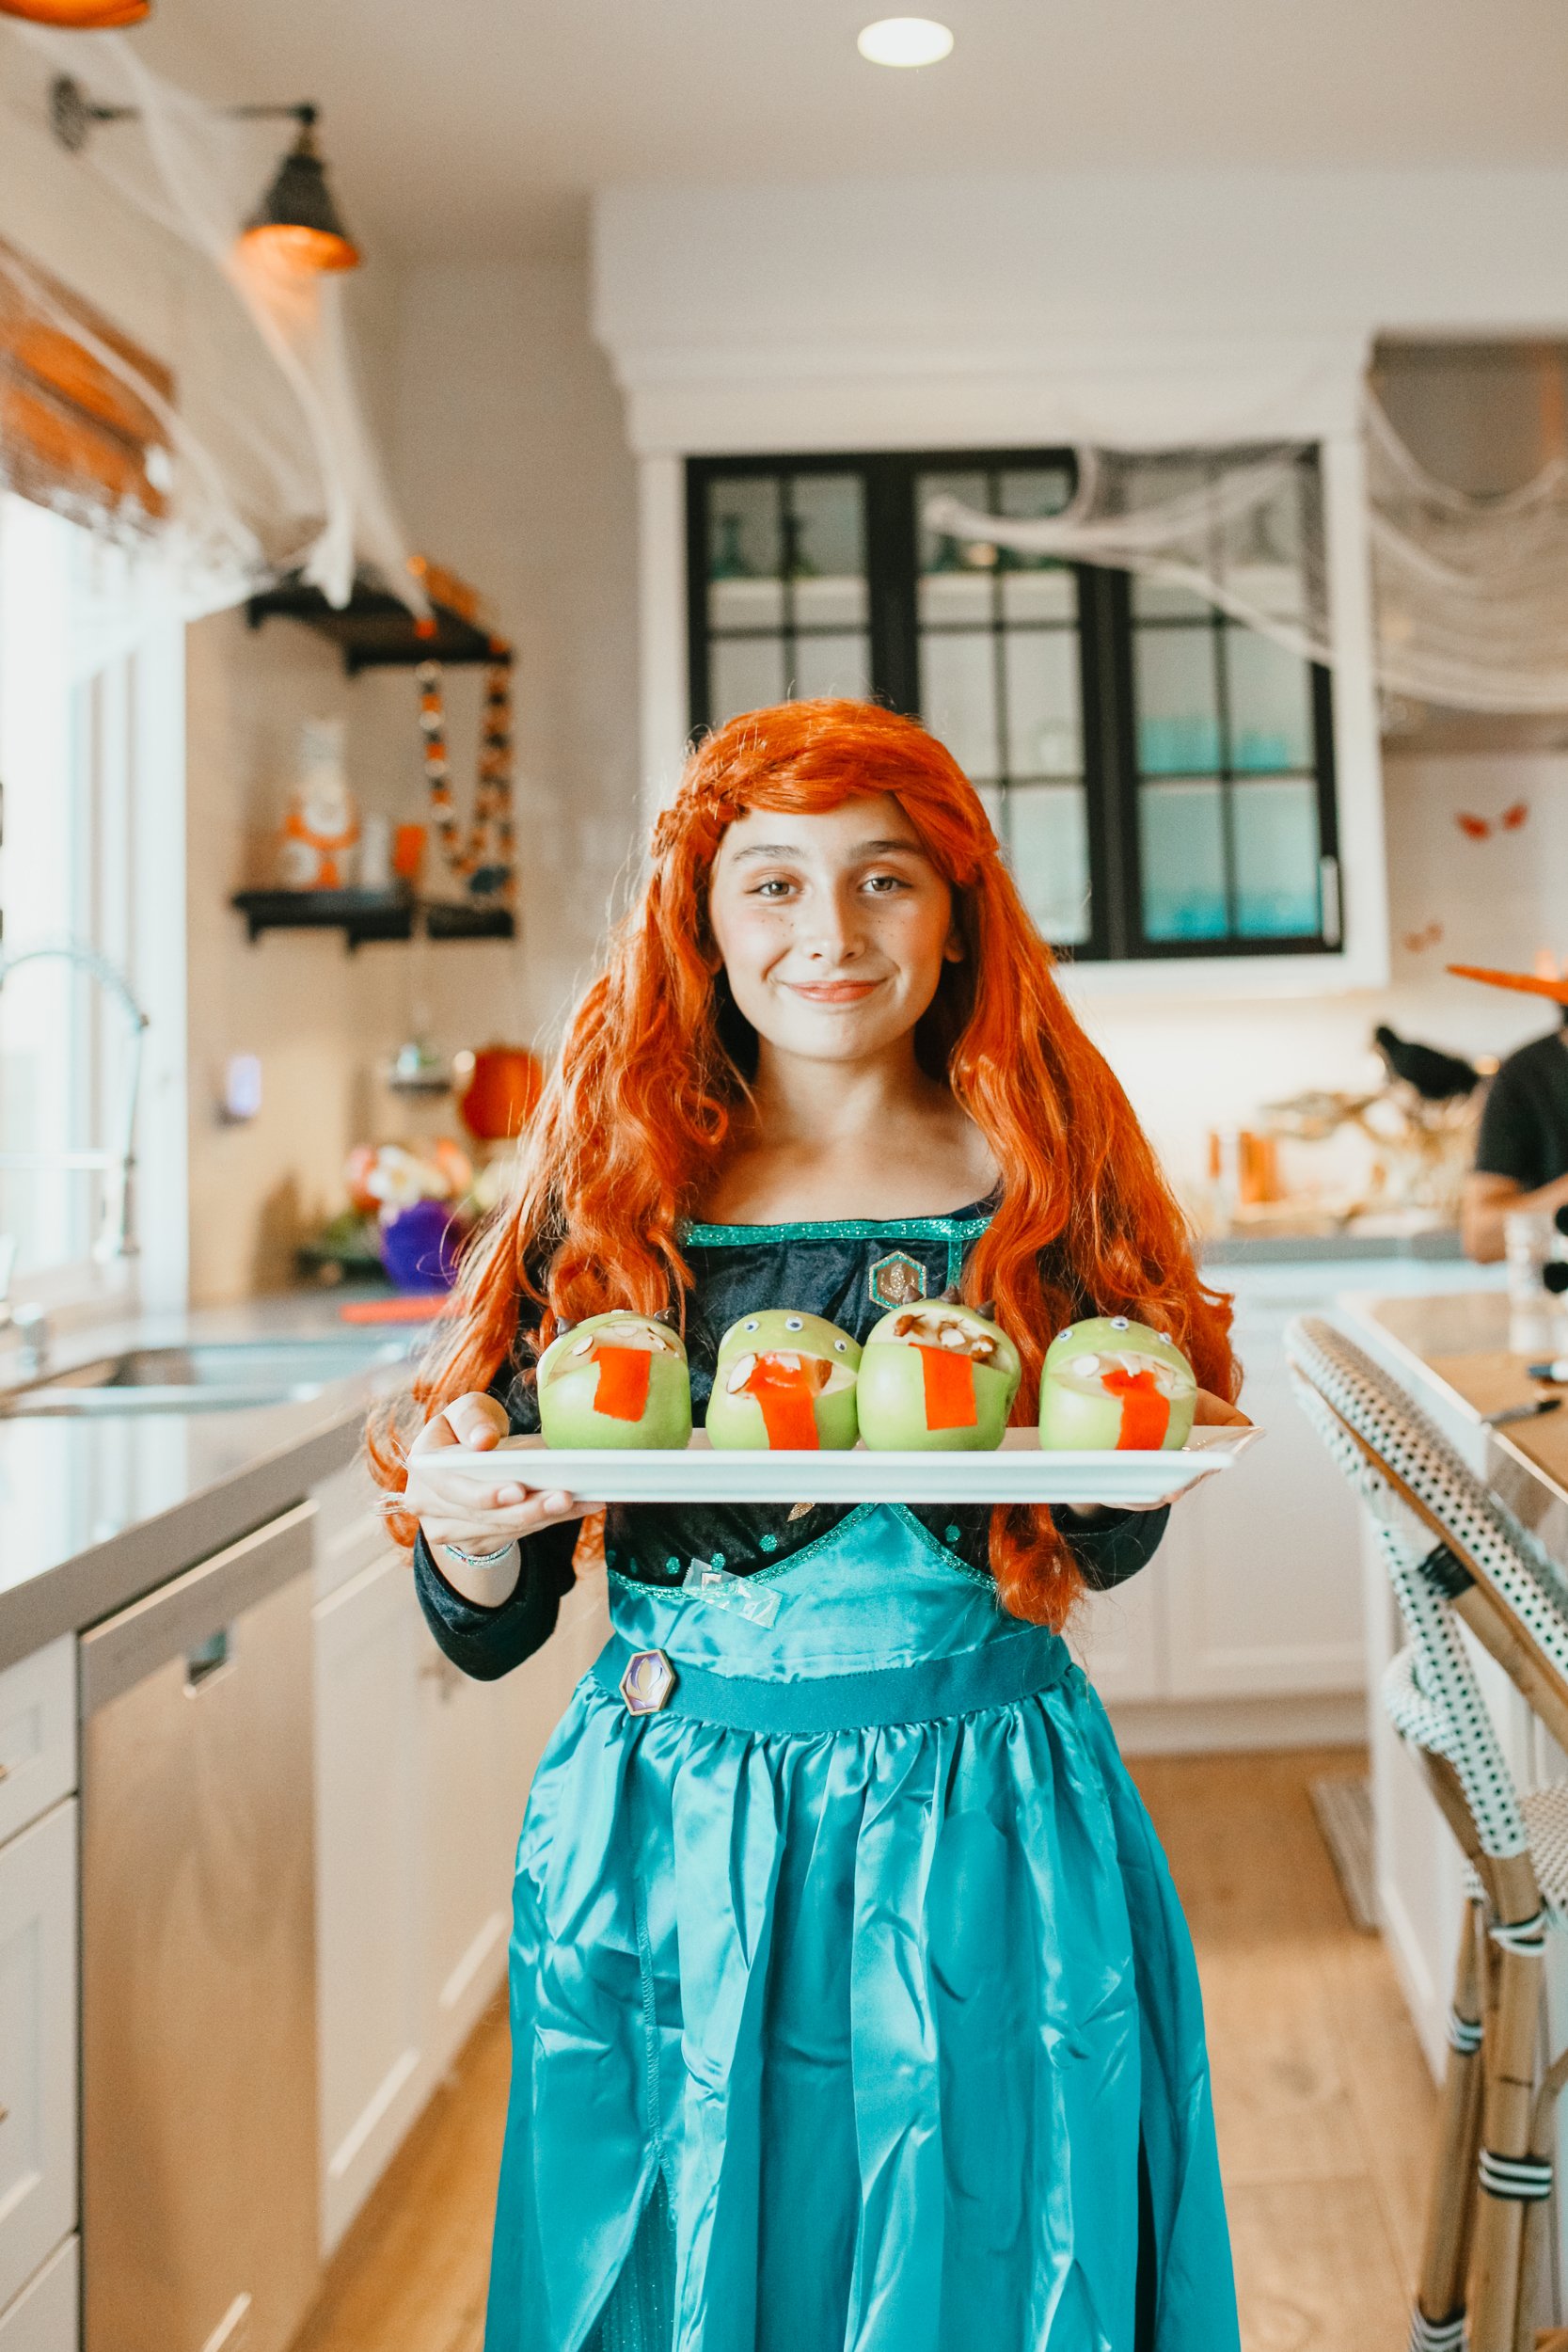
(297, 225)
(80, 16)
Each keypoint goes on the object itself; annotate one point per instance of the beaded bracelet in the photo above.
(479, 1559)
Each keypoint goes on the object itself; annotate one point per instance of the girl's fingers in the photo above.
(476, 1421)
(486, 1531)
(1215, 1412)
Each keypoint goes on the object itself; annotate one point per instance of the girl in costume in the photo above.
(851, 2002)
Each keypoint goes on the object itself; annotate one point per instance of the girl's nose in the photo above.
(834, 930)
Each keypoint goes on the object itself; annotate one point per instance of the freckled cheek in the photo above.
(753, 940)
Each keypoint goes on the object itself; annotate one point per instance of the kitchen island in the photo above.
(1456, 1356)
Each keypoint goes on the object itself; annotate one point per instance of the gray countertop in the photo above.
(1435, 1244)
(1461, 1354)
(96, 1510)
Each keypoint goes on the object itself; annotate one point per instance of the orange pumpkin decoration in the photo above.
(506, 1084)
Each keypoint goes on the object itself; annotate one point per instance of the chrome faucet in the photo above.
(30, 1322)
(116, 1161)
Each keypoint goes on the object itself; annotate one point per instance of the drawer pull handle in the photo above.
(230, 2328)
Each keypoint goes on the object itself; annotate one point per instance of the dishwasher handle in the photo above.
(180, 1617)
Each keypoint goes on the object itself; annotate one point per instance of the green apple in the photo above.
(618, 1379)
(1113, 1383)
(938, 1377)
(784, 1379)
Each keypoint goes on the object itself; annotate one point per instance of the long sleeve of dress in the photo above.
(1111, 1549)
(488, 1643)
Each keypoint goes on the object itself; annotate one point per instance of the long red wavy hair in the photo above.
(632, 1127)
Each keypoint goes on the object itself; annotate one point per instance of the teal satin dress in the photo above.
(852, 2007)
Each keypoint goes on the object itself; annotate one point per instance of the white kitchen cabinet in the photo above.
(480, 1742)
(369, 1895)
(38, 1733)
(467, 1830)
(37, 2045)
(46, 2315)
(422, 1778)
(1261, 1566)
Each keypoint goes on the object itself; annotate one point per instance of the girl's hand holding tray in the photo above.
(476, 1521)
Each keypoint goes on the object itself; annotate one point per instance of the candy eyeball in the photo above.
(1121, 1323)
(751, 1322)
(794, 1323)
(839, 1346)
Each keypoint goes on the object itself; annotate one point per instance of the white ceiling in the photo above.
(481, 126)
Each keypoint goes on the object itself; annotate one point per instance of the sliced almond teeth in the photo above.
(741, 1372)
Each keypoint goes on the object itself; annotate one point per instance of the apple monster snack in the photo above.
(785, 1380)
(1114, 1383)
(618, 1379)
(939, 1376)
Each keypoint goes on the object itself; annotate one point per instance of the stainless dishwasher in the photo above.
(198, 2053)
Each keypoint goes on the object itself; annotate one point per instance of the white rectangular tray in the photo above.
(1018, 1472)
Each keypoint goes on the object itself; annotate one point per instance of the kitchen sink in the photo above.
(211, 1375)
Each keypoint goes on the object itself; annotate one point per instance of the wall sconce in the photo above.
(80, 16)
(296, 223)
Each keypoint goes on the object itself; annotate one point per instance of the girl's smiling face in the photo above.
(833, 927)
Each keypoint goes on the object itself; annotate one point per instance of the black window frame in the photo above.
(1108, 704)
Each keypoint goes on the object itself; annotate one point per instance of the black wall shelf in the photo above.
(365, 916)
(375, 630)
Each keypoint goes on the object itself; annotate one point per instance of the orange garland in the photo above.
(485, 859)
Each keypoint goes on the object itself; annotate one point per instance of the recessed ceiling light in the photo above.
(905, 41)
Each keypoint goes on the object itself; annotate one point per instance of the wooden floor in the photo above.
(1324, 2103)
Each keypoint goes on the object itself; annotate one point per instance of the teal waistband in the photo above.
(1014, 1666)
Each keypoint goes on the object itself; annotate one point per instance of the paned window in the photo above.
(1160, 775)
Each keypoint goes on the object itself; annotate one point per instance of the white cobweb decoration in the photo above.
(271, 463)
(1471, 593)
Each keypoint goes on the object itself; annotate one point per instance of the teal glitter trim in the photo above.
(949, 1229)
(718, 1560)
(768, 1543)
(954, 1559)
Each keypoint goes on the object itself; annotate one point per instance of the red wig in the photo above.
(633, 1125)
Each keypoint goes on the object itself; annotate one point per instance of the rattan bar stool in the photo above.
(1483, 2261)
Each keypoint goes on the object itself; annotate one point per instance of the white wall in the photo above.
(505, 450)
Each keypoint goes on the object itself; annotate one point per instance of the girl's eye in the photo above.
(885, 885)
(766, 889)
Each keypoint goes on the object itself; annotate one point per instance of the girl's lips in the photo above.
(832, 992)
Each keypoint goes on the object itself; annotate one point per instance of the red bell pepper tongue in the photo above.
(784, 1391)
(621, 1392)
(1145, 1410)
(949, 1387)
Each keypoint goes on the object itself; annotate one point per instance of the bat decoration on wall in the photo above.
(1429, 936)
(1481, 828)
